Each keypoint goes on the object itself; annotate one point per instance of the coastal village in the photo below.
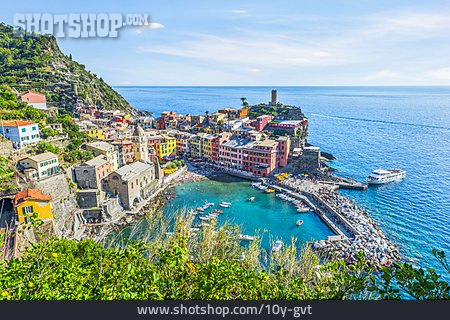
(122, 169)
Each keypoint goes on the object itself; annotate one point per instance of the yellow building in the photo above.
(95, 133)
(208, 146)
(166, 148)
(196, 145)
(31, 201)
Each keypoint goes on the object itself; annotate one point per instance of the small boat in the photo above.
(269, 191)
(192, 212)
(299, 223)
(246, 237)
(200, 209)
(223, 205)
(277, 246)
(303, 209)
(251, 199)
(205, 218)
(228, 203)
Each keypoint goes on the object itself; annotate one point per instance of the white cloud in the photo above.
(238, 11)
(150, 26)
(257, 50)
(383, 75)
(254, 70)
(440, 74)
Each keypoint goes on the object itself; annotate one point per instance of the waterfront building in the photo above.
(217, 141)
(284, 146)
(140, 145)
(231, 153)
(133, 183)
(20, 132)
(40, 166)
(183, 142)
(34, 99)
(166, 148)
(30, 201)
(89, 174)
(104, 148)
(196, 145)
(207, 146)
(260, 157)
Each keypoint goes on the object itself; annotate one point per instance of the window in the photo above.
(34, 128)
(24, 129)
(27, 210)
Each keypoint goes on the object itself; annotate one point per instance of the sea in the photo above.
(365, 128)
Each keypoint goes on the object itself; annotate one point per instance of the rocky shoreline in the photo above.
(366, 236)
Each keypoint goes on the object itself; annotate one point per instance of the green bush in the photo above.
(211, 265)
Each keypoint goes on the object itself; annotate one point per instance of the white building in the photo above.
(34, 99)
(40, 166)
(20, 132)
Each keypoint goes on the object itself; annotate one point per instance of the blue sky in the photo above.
(257, 42)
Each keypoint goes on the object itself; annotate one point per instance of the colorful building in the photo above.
(31, 201)
(231, 153)
(196, 145)
(95, 133)
(20, 132)
(207, 146)
(284, 146)
(218, 140)
(261, 122)
(260, 157)
(166, 148)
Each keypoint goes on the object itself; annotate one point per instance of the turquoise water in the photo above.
(265, 213)
(365, 128)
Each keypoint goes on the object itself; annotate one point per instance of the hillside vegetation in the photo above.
(35, 62)
(210, 265)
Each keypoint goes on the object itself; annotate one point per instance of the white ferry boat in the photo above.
(381, 176)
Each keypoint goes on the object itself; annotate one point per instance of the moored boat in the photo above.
(299, 222)
(380, 176)
(251, 199)
(277, 246)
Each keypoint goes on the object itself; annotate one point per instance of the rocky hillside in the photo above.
(36, 62)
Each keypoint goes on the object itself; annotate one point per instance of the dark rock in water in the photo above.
(327, 155)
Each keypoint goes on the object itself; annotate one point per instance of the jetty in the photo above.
(354, 229)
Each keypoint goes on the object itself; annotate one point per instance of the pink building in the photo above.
(260, 157)
(231, 153)
(218, 140)
(284, 145)
(262, 121)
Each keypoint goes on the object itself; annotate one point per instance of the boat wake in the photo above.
(380, 121)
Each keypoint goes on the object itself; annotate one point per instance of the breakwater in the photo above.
(354, 228)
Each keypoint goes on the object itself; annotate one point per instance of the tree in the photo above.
(44, 146)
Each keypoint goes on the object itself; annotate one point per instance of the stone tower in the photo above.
(140, 148)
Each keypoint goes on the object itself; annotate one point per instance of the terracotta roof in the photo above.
(32, 97)
(17, 123)
(30, 194)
